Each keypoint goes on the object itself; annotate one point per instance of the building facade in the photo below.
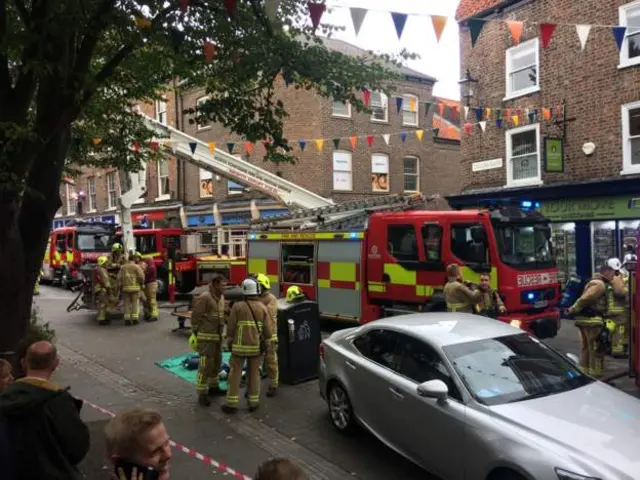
(561, 123)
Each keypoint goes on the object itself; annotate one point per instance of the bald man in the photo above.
(41, 422)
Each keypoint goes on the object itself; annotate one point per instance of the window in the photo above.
(410, 110)
(631, 138)
(402, 243)
(206, 183)
(522, 65)
(161, 111)
(72, 198)
(164, 191)
(523, 155)
(91, 188)
(69, 241)
(112, 194)
(421, 363)
(297, 263)
(142, 177)
(469, 245)
(341, 109)
(234, 188)
(379, 346)
(411, 174)
(630, 18)
(146, 244)
(202, 123)
(342, 176)
(432, 238)
(379, 107)
(92, 242)
(380, 172)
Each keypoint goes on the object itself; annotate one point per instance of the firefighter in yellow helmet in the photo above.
(130, 283)
(248, 329)
(271, 359)
(590, 310)
(102, 289)
(294, 294)
(114, 263)
(36, 287)
(618, 309)
(207, 324)
(458, 294)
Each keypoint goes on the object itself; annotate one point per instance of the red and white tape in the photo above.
(221, 466)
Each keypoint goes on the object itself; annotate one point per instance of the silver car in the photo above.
(468, 397)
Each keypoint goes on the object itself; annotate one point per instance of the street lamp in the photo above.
(468, 86)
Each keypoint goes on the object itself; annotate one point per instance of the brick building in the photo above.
(573, 149)
(430, 166)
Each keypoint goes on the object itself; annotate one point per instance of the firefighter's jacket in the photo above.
(460, 298)
(115, 261)
(271, 302)
(103, 282)
(248, 327)
(130, 278)
(592, 306)
(618, 297)
(490, 300)
(207, 317)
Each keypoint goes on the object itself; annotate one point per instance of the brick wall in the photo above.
(590, 82)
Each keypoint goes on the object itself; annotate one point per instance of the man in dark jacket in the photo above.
(40, 422)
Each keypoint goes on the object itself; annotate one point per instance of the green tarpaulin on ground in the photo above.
(174, 365)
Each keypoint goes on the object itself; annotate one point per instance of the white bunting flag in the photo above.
(583, 34)
(483, 125)
(271, 8)
(466, 112)
(357, 17)
(386, 137)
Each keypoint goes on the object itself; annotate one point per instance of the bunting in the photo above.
(357, 17)
(399, 21)
(439, 23)
(316, 10)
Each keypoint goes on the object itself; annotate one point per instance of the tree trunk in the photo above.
(25, 223)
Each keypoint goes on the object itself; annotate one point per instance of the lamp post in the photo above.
(467, 84)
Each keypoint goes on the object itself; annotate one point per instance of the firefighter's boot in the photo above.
(229, 409)
(272, 391)
(216, 392)
(203, 400)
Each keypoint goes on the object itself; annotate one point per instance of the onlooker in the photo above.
(41, 421)
(6, 374)
(138, 436)
(280, 469)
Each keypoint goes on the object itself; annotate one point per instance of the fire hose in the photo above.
(76, 304)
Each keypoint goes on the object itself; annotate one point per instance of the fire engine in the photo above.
(395, 262)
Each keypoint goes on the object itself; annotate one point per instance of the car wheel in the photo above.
(340, 408)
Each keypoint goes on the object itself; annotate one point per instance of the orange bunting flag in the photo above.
(488, 113)
(142, 22)
(419, 134)
(441, 109)
(97, 141)
(212, 147)
(319, 144)
(516, 120)
(369, 140)
(249, 147)
(354, 141)
(507, 112)
(515, 28)
(546, 114)
(439, 22)
(467, 127)
(412, 105)
(209, 50)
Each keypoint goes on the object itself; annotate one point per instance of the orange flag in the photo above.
(546, 113)
(488, 113)
(516, 120)
(354, 141)
(249, 147)
(439, 22)
(97, 141)
(319, 144)
(412, 105)
(515, 28)
(441, 109)
(212, 147)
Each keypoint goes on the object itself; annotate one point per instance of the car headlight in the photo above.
(515, 323)
(565, 475)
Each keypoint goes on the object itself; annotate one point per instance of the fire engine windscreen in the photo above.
(92, 242)
(525, 246)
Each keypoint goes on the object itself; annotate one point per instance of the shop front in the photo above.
(61, 222)
(158, 217)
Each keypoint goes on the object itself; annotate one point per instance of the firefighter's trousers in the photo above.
(591, 362)
(209, 367)
(235, 378)
(151, 300)
(271, 360)
(620, 338)
(102, 301)
(36, 287)
(131, 301)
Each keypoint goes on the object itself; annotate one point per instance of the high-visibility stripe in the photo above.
(257, 265)
(469, 275)
(152, 255)
(342, 271)
(323, 283)
(424, 290)
(376, 287)
(238, 262)
(308, 236)
(208, 337)
(398, 275)
(338, 284)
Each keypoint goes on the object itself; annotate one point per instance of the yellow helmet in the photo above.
(294, 293)
(611, 326)
(137, 255)
(193, 342)
(116, 246)
(264, 281)
(102, 260)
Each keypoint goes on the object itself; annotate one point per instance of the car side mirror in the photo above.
(572, 358)
(433, 389)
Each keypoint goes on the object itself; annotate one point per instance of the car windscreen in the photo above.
(524, 246)
(512, 368)
(94, 242)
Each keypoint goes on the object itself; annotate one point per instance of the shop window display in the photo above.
(563, 239)
(603, 243)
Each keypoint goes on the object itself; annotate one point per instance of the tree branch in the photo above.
(96, 25)
(5, 77)
(23, 12)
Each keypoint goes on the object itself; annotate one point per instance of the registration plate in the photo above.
(540, 304)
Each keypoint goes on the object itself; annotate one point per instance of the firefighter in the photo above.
(113, 267)
(618, 309)
(271, 359)
(459, 295)
(102, 290)
(590, 310)
(130, 283)
(207, 324)
(150, 301)
(36, 287)
(294, 294)
(248, 327)
(490, 304)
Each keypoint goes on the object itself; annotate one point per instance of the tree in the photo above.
(70, 71)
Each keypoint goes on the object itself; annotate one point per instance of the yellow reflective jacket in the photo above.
(103, 282)
(271, 302)
(248, 325)
(460, 298)
(207, 316)
(130, 278)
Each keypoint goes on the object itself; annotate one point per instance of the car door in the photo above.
(370, 375)
(432, 433)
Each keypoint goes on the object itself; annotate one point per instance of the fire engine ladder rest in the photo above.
(234, 168)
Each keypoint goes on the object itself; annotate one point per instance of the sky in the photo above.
(440, 60)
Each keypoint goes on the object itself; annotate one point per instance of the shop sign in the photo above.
(150, 216)
(200, 220)
(536, 279)
(486, 165)
(603, 208)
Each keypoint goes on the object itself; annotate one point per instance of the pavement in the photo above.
(113, 368)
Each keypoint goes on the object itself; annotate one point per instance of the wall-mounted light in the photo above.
(467, 84)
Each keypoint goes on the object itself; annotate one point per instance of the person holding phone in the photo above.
(138, 445)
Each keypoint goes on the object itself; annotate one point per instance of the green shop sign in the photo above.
(603, 208)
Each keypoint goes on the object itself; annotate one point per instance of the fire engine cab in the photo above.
(397, 263)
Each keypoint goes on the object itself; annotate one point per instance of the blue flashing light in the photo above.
(537, 204)
(353, 235)
(252, 236)
(526, 204)
(531, 296)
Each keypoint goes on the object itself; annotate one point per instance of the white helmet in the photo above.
(250, 287)
(615, 264)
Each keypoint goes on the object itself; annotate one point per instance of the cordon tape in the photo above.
(221, 466)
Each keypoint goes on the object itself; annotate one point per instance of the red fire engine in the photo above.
(397, 264)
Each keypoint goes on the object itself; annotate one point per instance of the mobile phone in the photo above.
(148, 473)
